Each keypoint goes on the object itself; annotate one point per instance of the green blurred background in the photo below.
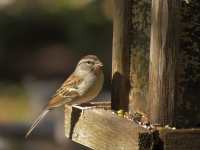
(40, 44)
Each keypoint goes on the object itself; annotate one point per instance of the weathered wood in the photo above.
(120, 55)
(181, 139)
(174, 87)
(163, 49)
(100, 129)
(139, 55)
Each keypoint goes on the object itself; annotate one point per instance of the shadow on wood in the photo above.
(120, 86)
(75, 114)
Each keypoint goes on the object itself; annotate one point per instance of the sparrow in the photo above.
(83, 85)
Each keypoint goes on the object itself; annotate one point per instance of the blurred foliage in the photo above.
(26, 26)
(13, 103)
(77, 28)
(31, 32)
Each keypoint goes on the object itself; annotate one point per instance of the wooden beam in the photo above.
(102, 130)
(163, 49)
(181, 139)
(120, 55)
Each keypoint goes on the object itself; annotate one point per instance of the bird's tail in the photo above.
(36, 122)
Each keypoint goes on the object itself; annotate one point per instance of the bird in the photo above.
(82, 86)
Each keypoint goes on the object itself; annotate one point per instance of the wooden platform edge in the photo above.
(100, 129)
(179, 139)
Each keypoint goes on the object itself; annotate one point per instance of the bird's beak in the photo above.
(99, 64)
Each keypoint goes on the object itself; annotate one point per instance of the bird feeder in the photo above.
(155, 73)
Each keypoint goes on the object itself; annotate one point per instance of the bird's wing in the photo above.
(66, 93)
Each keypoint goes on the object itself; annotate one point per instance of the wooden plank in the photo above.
(163, 48)
(180, 139)
(120, 55)
(100, 129)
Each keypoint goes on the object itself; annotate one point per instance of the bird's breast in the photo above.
(90, 88)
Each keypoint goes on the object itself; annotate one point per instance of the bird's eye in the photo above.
(89, 62)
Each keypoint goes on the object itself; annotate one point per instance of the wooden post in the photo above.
(163, 49)
(139, 55)
(174, 87)
(120, 55)
(130, 57)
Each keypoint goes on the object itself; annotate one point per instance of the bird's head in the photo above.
(89, 63)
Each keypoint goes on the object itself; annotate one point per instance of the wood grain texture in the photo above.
(139, 55)
(99, 129)
(181, 139)
(120, 55)
(163, 49)
(174, 82)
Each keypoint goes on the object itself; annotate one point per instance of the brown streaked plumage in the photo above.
(65, 91)
(82, 86)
